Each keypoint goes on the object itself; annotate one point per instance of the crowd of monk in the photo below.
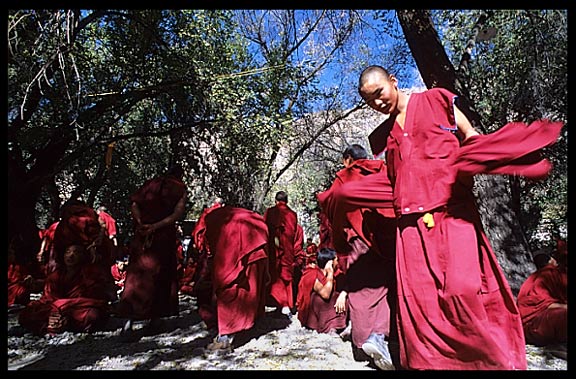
(401, 266)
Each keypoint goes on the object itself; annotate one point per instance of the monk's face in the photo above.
(381, 93)
(73, 255)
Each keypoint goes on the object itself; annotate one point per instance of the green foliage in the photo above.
(521, 75)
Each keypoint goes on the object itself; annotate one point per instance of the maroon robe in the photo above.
(119, 276)
(109, 223)
(313, 311)
(237, 239)
(364, 239)
(82, 299)
(282, 227)
(544, 325)
(200, 228)
(18, 289)
(48, 256)
(79, 225)
(151, 286)
(472, 322)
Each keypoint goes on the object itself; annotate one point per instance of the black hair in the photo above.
(281, 196)
(324, 255)
(355, 151)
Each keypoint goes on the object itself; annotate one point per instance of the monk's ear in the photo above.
(393, 79)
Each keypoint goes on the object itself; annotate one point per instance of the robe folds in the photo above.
(82, 299)
(544, 325)
(237, 239)
(313, 311)
(151, 286)
(455, 307)
(282, 228)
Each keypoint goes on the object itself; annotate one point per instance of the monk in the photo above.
(111, 230)
(151, 286)
(365, 239)
(468, 319)
(318, 294)
(79, 225)
(46, 256)
(21, 282)
(543, 300)
(237, 239)
(118, 271)
(299, 262)
(311, 251)
(75, 298)
(282, 224)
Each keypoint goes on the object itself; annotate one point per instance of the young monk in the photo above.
(75, 298)
(468, 318)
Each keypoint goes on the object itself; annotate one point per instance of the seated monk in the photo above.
(321, 304)
(75, 298)
(20, 282)
(543, 300)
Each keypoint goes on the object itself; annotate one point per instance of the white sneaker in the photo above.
(377, 348)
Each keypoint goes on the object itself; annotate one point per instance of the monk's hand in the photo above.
(340, 305)
(56, 321)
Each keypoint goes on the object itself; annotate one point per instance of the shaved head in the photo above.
(372, 73)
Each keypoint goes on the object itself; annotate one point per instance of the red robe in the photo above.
(200, 228)
(472, 322)
(109, 222)
(18, 290)
(151, 286)
(83, 299)
(79, 225)
(311, 253)
(188, 278)
(544, 325)
(313, 311)
(282, 228)
(237, 239)
(119, 277)
(365, 243)
(48, 254)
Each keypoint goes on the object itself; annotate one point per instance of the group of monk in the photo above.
(403, 267)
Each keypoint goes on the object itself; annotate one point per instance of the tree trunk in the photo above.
(493, 192)
(21, 213)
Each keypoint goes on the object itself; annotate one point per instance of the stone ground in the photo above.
(273, 344)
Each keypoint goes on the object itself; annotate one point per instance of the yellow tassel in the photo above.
(428, 220)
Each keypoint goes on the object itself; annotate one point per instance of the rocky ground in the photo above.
(273, 344)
